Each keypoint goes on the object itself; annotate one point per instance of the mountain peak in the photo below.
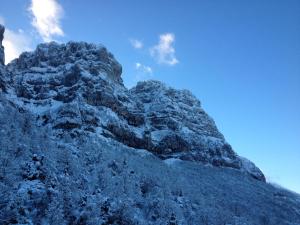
(91, 57)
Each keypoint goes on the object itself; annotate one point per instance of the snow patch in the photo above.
(172, 161)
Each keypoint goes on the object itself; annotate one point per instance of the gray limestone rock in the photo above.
(2, 29)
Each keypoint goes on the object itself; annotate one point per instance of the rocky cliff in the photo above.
(78, 147)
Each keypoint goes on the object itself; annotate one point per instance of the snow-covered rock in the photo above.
(78, 147)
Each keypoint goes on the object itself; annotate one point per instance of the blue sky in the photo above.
(240, 58)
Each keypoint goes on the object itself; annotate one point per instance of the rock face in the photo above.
(78, 147)
(2, 29)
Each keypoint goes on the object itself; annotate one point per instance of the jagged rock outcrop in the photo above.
(78, 147)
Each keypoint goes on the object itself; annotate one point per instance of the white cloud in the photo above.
(138, 65)
(136, 43)
(14, 44)
(46, 18)
(164, 52)
(141, 67)
(142, 72)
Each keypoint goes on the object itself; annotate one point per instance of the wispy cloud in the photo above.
(141, 67)
(164, 52)
(142, 72)
(14, 42)
(136, 43)
(46, 15)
